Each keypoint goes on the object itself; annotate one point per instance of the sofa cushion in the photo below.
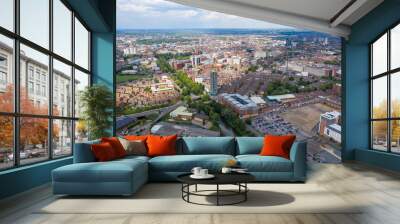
(185, 163)
(136, 137)
(104, 152)
(257, 163)
(112, 171)
(249, 145)
(118, 177)
(93, 172)
(132, 158)
(208, 145)
(161, 145)
(116, 145)
(134, 147)
(275, 145)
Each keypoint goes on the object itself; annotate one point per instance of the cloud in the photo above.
(210, 15)
(181, 13)
(148, 14)
(148, 6)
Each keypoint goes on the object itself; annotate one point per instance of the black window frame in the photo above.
(16, 115)
(388, 74)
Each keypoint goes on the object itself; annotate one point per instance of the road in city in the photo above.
(162, 112)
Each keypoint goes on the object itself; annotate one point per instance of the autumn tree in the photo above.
(33, 131)
(379, 128)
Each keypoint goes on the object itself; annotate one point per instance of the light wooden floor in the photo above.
(379, 189)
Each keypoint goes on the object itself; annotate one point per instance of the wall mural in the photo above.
(200, 73)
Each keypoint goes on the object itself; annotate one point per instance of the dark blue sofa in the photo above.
(125, 176)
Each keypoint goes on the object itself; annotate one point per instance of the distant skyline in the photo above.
(161, 14)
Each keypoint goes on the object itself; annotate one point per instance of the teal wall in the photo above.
(24, 178)
(100, 16)
(356, 86)
(103, 63)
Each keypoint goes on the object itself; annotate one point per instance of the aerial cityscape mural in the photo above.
(231, 77)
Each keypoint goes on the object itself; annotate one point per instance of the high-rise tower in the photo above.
(213, 83)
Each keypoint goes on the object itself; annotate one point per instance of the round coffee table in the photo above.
(238, 179)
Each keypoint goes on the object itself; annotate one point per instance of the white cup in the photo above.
(196, 171)
(203, 172)
(226, 170)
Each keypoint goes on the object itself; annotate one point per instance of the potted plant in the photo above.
(97, 104)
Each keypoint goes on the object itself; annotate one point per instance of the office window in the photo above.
(33, 140)
(30, 88)
(37, 75)
(81, 131)
(40, 62)
(81, 82)
(395, 47)
(379, 56)
(35, 21)
(6, 142)
(62, 29)
(7, 14)
(379, 97)
(37, 89)
(7, 74)
(81, 45)
(44, 91)
(62, 137)
(385, 94)
(44, 117)
(61, 72)
(3, 78)
(395, 136)
(380, 135)
(3, 61)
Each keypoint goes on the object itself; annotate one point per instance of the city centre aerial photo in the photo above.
(202, 73)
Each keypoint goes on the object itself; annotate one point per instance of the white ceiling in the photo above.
(317, 15)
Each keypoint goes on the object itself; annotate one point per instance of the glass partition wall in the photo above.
(385, 91)
(44, 64)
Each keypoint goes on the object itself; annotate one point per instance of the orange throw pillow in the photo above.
(161, 145)
(136, 137)
(103, 152)
(116, 145)
(277, 145)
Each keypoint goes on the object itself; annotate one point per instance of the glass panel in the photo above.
(62, 138)
(33, 139)
(81, 45)
(62, 89)
(395, 136)
(395, 47)
(6, 74)
(81, 131)
(395, 94)
(379, 97)
(6, 142)
(81, 82)
(62, 29)
(379, 55)
(35, 21)
(379, 135)
(7, 14)
(34, 97)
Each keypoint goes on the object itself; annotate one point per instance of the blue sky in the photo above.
(160, 14)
